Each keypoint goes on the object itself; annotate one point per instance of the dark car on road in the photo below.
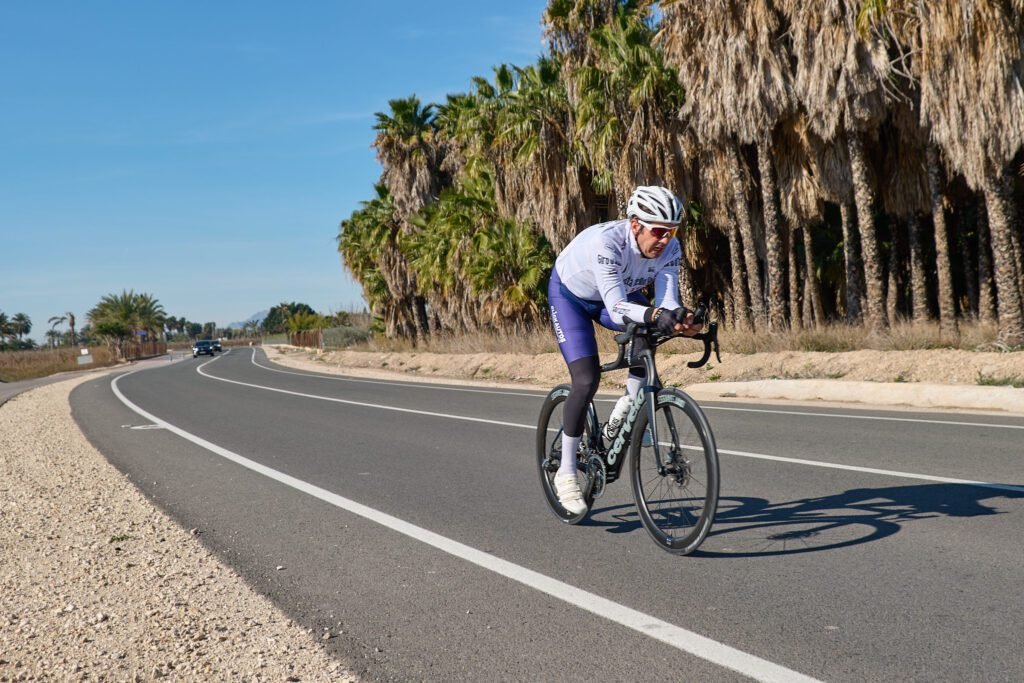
(216, 345)
(202, 347)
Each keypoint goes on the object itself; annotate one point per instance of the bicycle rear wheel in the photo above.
(549, 452)
(676, 498)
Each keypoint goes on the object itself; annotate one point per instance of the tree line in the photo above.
(120, 319)
(854, 160)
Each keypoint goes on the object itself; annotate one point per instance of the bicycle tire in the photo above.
(549, 447)
(677, 507)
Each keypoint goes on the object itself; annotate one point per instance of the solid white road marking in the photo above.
(663, 631)
(743, 454)
(849, 416)
(801, 413)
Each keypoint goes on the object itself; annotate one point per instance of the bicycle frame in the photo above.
(637, 349)
(616, 452)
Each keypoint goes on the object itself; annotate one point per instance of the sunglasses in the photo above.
(659, 232)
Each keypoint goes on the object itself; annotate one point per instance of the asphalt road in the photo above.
(407, 521)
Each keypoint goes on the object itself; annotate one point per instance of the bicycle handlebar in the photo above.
(654, 338)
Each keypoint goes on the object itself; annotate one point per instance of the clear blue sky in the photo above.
(205, 152)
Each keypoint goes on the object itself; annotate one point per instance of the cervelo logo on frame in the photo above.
(626, 429)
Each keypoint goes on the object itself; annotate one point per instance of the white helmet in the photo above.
(655, 203)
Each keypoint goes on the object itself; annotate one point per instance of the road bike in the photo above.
(674, 471)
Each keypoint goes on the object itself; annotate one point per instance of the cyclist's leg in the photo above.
(572, 322)
(586, 375)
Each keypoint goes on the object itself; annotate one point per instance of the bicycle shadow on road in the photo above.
(756, 527)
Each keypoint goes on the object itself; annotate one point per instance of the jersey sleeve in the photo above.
(607, 267)
(666, 282)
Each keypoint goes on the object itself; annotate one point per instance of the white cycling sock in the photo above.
(569, 446)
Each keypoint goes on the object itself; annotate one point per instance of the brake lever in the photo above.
(710, 338)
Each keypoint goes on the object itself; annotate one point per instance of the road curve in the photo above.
(850, 544)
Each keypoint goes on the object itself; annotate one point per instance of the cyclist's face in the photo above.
(652, 238)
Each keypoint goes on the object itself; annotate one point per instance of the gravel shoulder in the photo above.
(97, 584)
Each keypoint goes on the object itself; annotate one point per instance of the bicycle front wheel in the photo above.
(677, 493)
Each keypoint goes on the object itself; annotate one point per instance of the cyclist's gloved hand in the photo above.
(667, 321)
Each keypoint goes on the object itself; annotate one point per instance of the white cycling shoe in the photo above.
(567, 488)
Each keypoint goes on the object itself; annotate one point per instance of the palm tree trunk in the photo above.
(741, 304)
(892, 298)
(742, 216)
(947, 306)
(814, 309)
(918, 279)
(796, 320)
(986, 294)
(999, 202)
(865, 199)
(1015, 241)
(970, 275)
(854, 281)
(687, 292)
(420, 312)
(773, 241)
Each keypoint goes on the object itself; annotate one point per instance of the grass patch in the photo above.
(904, 335)
(1014, 381)
(19, 365)
(119, 538)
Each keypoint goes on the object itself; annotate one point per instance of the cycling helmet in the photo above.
(655, 203)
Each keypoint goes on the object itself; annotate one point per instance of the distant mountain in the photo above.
(254, 318)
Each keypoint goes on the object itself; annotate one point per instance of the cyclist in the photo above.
(598, 278)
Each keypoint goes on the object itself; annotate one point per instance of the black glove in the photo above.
(665, 320)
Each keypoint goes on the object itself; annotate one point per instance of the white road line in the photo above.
(801, 413)
(721, 451)
(873, 470)
(663, 631)
(412, 385)
(849, 416)
(361, 403)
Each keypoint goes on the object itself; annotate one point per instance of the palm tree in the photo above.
(733, 54)
(411, 160)
(840, 81)
(802, 203)
(68, 318)
(906, 195)
(364, 241)
(5, 329)
(627, 107)
(507, 267)
(118, 317)
(970, 65)
(21, 325)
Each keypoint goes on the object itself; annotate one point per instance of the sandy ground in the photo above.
(96, 584)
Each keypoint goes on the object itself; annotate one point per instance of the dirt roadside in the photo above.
(97, 584)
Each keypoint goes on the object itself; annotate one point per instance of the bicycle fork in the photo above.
(650, 389)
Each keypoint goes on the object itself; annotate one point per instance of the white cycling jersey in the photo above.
(603, 263)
